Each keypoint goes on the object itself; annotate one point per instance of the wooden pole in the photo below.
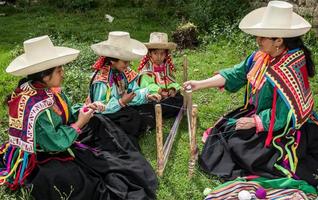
(159, 140)
(185, 65)
(188, 95)
(193, 143)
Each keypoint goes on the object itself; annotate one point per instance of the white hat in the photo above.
(275, 20)
(159, 40)
(119, 45)
(40, 54)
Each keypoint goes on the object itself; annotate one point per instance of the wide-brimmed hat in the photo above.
(275, 20)
(159, 40)
(40, 54)
(119, 45)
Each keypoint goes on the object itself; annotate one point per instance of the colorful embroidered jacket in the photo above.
(279, 89)
(157, 77)
(38, 119)
(108, 86)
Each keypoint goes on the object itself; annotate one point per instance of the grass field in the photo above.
(80, 30)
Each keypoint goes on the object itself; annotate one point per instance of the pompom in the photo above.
(260, 193)
(244, 195)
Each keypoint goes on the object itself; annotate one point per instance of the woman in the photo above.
(58, 154)
(114, 85)
(157, 73)
(273, 135)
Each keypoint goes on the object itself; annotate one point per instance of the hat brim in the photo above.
(168, 45)
(137, 51)
(251, 24)
(21, 66)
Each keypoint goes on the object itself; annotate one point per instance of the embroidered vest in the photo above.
(163, 74)
(290, 76)
(19, 153)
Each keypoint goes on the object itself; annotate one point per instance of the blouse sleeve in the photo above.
(141, 94)
(175, 86)
(235, 77)
(147, 81)
(99, 93)
(51, 134)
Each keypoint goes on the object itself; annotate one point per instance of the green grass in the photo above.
(80, 30)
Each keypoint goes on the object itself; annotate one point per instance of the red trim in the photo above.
(56, 158)
(272, 122)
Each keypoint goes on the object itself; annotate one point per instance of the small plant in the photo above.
(186, 36)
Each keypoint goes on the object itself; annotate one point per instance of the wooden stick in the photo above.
(160, 158)
(185, 65)
(188, 94)
(193, 143)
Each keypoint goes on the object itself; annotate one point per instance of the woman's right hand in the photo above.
(84, 116)
(127, 97)
(193, 84)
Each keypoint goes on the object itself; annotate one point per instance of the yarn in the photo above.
(244, 195)
(207, 191)
(260, 193)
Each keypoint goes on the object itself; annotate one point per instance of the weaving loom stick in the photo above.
(185, 65)
(193, 143)
(159, 140)
(163, 151)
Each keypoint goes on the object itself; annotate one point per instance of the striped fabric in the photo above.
(230, 192)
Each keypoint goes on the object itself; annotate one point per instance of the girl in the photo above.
(157, 73)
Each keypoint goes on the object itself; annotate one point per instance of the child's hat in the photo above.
(159, 40)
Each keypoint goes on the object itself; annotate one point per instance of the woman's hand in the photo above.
(163, 93)
(84, 116)
(172, 92)
(127, 97)
(245, 123)
(97, 105)
(154, 97)
(193, 84)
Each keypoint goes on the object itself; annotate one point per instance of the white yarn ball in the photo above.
(244, 195)
(207, 191)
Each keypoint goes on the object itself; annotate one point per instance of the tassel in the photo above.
(19, 165)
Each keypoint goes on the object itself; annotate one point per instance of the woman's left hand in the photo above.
(154, 97)
(97, 105)
(245, 123)
(172, 92)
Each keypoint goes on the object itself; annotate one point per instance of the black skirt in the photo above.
(136, 120)
(171, 106)
(230, 153)
(106, 166)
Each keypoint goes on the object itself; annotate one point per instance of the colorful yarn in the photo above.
(260, 193)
